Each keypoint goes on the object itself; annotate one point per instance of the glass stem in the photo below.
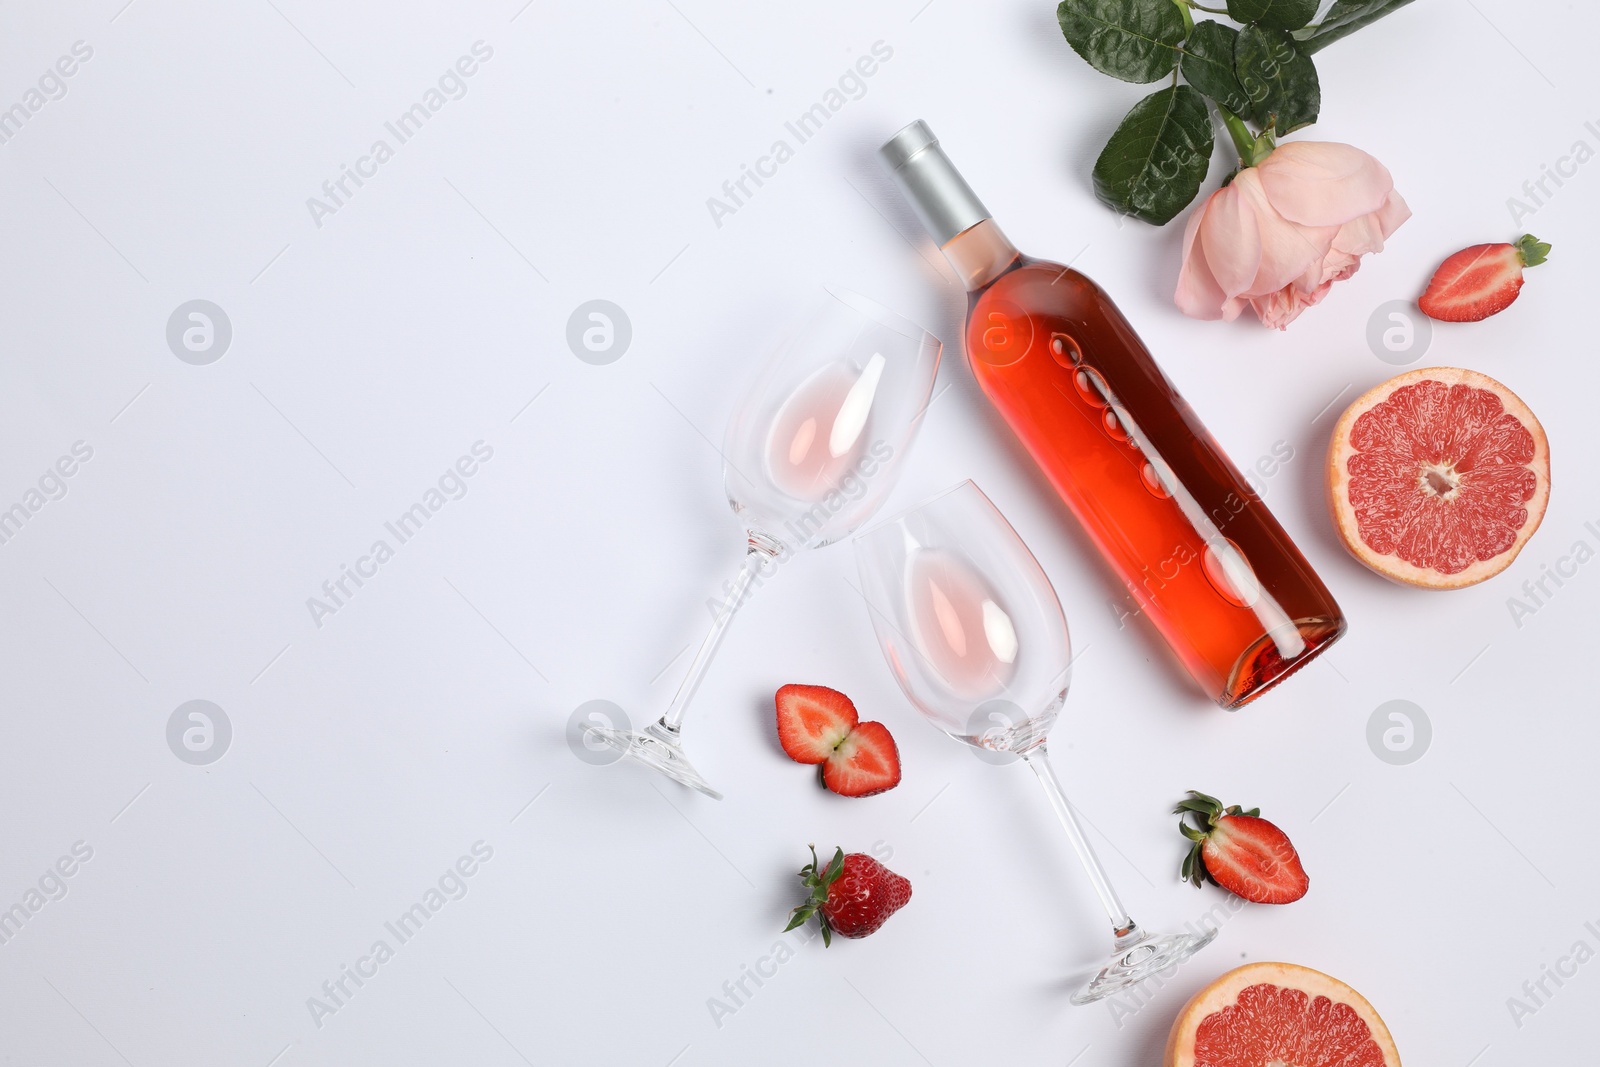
(758, 551)
(1121, 923)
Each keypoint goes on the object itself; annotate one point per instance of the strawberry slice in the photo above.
(820, 725)
(812, 721)
(1240, 851)
(1480, 281)
(867, 761)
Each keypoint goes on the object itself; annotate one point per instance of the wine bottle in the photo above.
(1198, 550)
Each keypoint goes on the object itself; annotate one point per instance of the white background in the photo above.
(372, 351)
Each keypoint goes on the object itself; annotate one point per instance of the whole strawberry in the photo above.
(1239, 851)
(851, 897)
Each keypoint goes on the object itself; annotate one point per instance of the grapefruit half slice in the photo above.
(1279, 1015)
(1438, 477)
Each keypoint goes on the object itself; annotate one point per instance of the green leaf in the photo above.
(1532, 250)
(1208, 64)
(1155, 161)
(1280, 81)
(800, 917)
(835, 869)
(1273, 14)
(1135, 40)
(1194, 868)
(1344, 18)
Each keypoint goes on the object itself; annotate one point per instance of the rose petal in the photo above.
(1359, 236)
(1232, 240)
(1277, 310)
(1335, 267)
(1198, 296)
(1287, 250)
(1394, 212)
(1321, 183)
(1338, 266)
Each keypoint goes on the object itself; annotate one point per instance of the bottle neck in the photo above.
(980, 254)
(948, 208)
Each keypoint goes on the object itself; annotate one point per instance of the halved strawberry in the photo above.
(867, 761)
(820, 725)
(812, 720)
(1480, 281)
(1240, 851)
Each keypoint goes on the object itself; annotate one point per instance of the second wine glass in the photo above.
(811, 452)
(974, 634)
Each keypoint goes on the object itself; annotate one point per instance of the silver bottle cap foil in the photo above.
(942, 199)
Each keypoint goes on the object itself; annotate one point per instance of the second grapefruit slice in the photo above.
(1272, 1014)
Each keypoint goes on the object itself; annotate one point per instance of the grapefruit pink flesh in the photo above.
(1268, 1024)
(1272, 1014)
(1438, 477)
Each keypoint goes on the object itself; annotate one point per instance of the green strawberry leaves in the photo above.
(817, 879)
(1532, 250)
(1262, 72)
(1208, 810)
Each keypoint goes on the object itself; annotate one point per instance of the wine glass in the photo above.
(974, 634)
(811, 452)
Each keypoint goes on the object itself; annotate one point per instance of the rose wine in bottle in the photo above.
(1197, 548)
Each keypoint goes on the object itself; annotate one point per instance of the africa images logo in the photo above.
(452, 85)
(52, 85)
(52, 485)
(851, 85)
(452, 485)
(451, 885)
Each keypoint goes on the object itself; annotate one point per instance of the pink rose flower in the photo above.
(1282, 232)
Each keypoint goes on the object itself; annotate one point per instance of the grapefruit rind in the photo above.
(1225, 991)
(1392, 566)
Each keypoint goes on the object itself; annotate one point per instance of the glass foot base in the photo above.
(1137, 956)
(656, 747)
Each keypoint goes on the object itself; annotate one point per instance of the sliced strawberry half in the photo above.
(813, 720)
(1240, 851)
(820, 725)
(1480, 281)
(867, 761)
